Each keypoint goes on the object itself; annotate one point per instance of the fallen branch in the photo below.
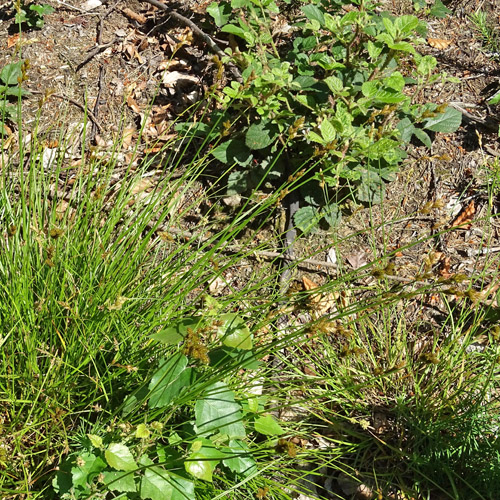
(199, 33)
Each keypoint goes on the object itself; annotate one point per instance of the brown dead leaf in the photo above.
(439, 43)
(357, 259)
(12, 40)
(320, 303)
(176, 78)
(466, 215)
(132, 104)
(128, 134)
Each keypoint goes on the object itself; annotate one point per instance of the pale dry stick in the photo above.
(469, 116)
(71, 101)
(199, 33)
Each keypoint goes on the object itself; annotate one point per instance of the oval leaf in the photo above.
(234, 332)
(119, 457)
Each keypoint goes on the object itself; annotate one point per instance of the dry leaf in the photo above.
(466, 216)
(133, 105)
(12, 40)
(128, 134)
(320, 303)
(174, 78)
(439, 43)
(357, 260)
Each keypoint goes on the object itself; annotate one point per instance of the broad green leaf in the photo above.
(218, 411)
(95, 440)
(11, 72)
(426, 65)
(183, 489)
(240, 459)
(303, 82)
(232, 151)
(260, 135)
(306, 218)
(314, 13)
(406, 129)
(334, 84)
(234, 331)
(268, 426)
(402, 46)
(374, 50)
(119, 481)
(220, 11)
(327, 131)
(237, 182)
(167, 383)
(406, 24)
(389, 26)
(446, 122)
(120, 457)
(142, 432)
(423, 137)
(89, 465)
(156, 484)
(313, 136)
(395, 81)
(176, 331)
(332, 214)
(203, 459)
(235, 30)
(371, 188)
(439, 10)
(199, 467)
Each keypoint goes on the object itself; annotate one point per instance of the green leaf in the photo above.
(237, 31)
(232, 151)
(241, 460)
(313, 136)
(327, 131)
(234, 331)
(426, 65)
(334, 84)
(332, 214)
(11, 72)
(371, 189)
(183, 489)
(203, 459)
(439, 10)
(313, 13)
(119, 481)
(406, 24)
(495, 99)
(156, 484)
(177, 330)
(406, 129)
(142, 432)
(268, 426)
(446, 122)
(402, 46)
(423, 137)
(220, 11)
(95, 440)
(89, 466)
(237, 182)
(306, 218)
(303, 82)
(260, 135)
(167, 383)
(217, 411)
(395, 81)
(120, 457)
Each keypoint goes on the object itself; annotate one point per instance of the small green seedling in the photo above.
(31, 15)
